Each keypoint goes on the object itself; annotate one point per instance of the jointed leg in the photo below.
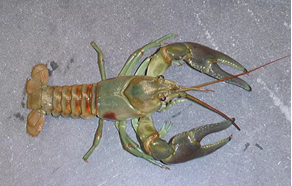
(132, 147)
(162, 132)
(142, 68)
(98, 135)
(134, 58)
(100, 60)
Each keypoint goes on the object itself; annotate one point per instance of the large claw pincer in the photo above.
(182, 147)
(187, 145)
(199, 57)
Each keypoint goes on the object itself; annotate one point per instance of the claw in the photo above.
(187, 145)
(205, 60)
(182, 147)
(199, 57)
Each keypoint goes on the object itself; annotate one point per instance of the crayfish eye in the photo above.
(160, 77)
(163, 98)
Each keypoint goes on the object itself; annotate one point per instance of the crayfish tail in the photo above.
(36, 118)
(35, 122)
(39, 77)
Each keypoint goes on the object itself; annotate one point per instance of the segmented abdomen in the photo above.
(75, 101)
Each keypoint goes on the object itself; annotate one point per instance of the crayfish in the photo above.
(136, 97)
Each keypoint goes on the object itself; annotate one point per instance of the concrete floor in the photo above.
(60, 32)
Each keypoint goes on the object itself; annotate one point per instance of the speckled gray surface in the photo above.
(253, 33)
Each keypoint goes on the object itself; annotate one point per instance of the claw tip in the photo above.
(230, 137)
(85, 160)
(166, 167)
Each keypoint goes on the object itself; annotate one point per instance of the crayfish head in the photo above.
(147, 94)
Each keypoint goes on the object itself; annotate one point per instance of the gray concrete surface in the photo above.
(252, 32)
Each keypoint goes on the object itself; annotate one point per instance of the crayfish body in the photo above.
(136, 97)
